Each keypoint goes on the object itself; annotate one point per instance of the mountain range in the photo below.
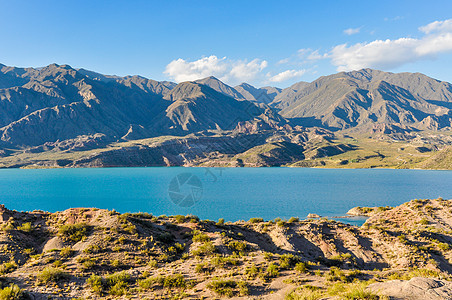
(60, 108)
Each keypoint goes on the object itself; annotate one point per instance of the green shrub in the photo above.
(306, 292)
(443, 246)
(336, 274)
(26, 227)
(272, 271)
(118, 283)
(424, 221)
(130, 228)
(200, 237)
(223, 262)
(301, 267)
(287, 261)
(229, 287)
(95, 283)
(7, 267)
(205, 250)
(119, 289)
(293, 220)
(402, 239)
(51, 274)
(149, 282)
(115, 263)
(174, 281)
(87, 262)
(91, 249)
(179, 219)
(204, 268)
(220, 222)
(117, 277)
(268, 256)
(74, 232)
(354, 291)
(256, 220)
(66, 252)
(152, 263)
(12, 292)
(57, 263)
(252, 271)
(237, 246)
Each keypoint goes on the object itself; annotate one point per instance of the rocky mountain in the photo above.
(365, 98)
(57, 103)
(263, 95)
(64, 110)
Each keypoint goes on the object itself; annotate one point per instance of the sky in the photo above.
(275, 43)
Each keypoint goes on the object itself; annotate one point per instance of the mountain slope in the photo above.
(366, 97)
(220, 87)
(262, 95)
(58, 103)
(197, 107)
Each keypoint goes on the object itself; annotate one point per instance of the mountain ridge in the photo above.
(41, 108)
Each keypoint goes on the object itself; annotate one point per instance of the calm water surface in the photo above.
(233, 194)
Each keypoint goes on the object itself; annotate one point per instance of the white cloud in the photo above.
(225, 69)
(437, 26)
(286, 75)
(315, 55)
(284, 61)
(243, 71)
(304, 51)
(387, 54)
(351, 31)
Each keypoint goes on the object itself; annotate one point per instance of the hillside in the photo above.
(442, 160)
(361, 99)
(92, 253)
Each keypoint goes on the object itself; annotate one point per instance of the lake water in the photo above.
(213, 193)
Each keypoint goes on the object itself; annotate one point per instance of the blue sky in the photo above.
(261, 42)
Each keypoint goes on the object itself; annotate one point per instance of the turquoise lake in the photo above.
(213, 193)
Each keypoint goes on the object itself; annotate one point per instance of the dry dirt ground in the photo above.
(89, 253)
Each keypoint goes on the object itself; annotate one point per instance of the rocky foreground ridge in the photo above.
(88, 253)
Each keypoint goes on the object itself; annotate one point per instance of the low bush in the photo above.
(12, 292)
(256, 220)
(118, 283)
(228, 287)
(252, 272)
(51, 274)
(95, 283)
(66, 252)
(287, 261)
(149, 282)
(74, 232)
(205, 250)
(272, 271)
(301, 267)
(306, 292)
(7, 267)
(26, 227)
(174, 281)
(224, 262)
(204, 268)
(353, 291)
(200, 237)
(237, 246)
